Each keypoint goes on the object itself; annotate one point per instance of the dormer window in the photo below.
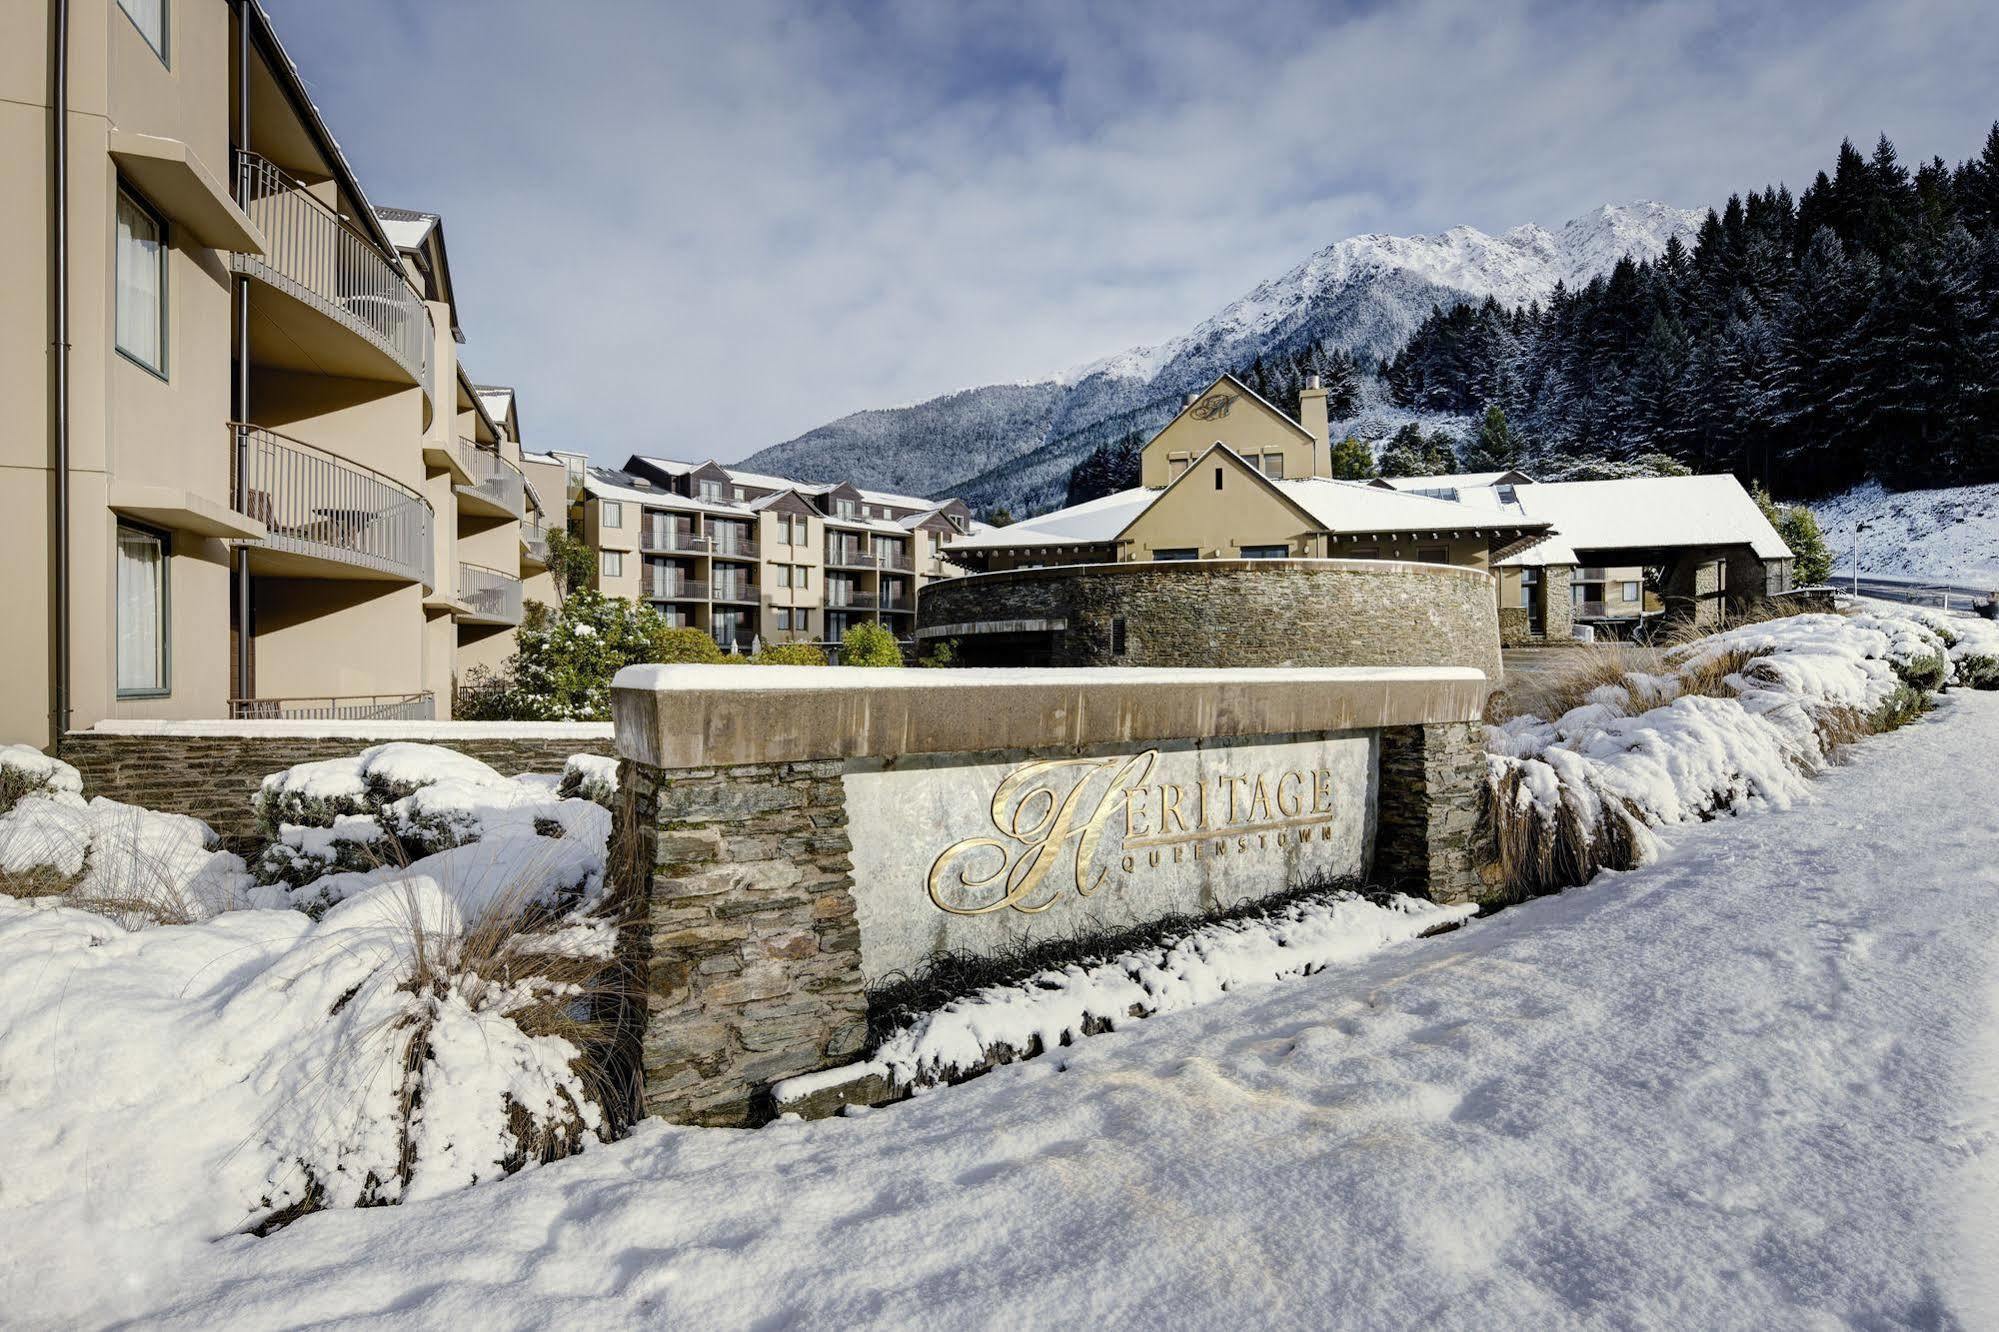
(712, 491)
(1273, 466)
(844, 508)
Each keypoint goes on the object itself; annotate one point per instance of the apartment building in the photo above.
(1234, 477)
(249, 475)
(750, 557)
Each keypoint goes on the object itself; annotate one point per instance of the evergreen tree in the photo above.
(1352, 460)
(1495, 448)
(1107, 469)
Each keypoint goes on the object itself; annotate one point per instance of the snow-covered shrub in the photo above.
(1734, 719)
(362, 819)
(133, 865)
(592, 777)
(1971, 645)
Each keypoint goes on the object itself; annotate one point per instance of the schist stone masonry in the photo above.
(790, 836)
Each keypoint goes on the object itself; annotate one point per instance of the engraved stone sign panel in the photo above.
(976, 852)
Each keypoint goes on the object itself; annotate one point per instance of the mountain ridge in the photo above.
(1014, 444)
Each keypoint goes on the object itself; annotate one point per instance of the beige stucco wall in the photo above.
(1244, 511)
(1249, 427)
(623, 538)
(323, 636)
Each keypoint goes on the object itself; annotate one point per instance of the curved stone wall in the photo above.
(1221, 613)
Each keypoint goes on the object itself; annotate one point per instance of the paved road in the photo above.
(1954, 595)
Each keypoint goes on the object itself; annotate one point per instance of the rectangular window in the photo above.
(1117, 636)
(1175, 466)
(142, 612)
(612, 563)
(1178, 553)
(802, 576)
(1631, 591)
(1578, 593)
(150, 18)
(611, 513)
(1218, 478)
(1433, 555)
(784, 575)
(1266, 552)
(1529, 580)
(141, 280)
(1362, 553)
(1273, 466)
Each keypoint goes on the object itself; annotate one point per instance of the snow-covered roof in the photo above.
(1452, 481)
(499, 400)
(1354, 506)
(1649, 511)
(596, 483)
(1095, 521)
(408, 230)
(765, 481)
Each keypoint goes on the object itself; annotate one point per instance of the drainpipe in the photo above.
(59, 247)
(245, 686)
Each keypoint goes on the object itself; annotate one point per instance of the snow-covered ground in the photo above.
(1951, 534)
(1750, 1085)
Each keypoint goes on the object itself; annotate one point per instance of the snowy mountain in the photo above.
(1015, 444)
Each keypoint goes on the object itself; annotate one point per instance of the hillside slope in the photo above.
(1950, 534)
(1014, 444)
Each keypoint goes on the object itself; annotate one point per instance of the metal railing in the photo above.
(744, 593)
(659, 538)
(312, 503)
(1605, 610)
(676, 589)
(494, 479)
(1590, 574)
(313, 254)
(337, 707)
(849, 558)
(492, 595)
(741, 548)
(534, 540)
(856, 600)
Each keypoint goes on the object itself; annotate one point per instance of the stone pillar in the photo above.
(746, 927)
(1432, 782)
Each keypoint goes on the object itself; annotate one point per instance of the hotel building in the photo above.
(750, 557)
(249, 474)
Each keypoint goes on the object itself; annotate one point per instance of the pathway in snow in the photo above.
(1746, 1086)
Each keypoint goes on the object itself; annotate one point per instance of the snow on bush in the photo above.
(1971, 643)
(591, 777)
(338, 826)
(196, 1080)
(1738, 719)
(1057, 1006)
(132, 864)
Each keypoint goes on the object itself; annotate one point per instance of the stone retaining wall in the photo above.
(213, 774)
(1228, 613)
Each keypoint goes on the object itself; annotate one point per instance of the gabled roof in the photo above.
(1287, 500)
(1648, 512)
(1253, 396)
(1455, 481)
(412, 231)
(500, 402)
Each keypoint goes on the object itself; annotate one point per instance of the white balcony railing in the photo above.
(534, 540)
(494, 479)
(494, 597)
(352, 707)
(316, 505)
(314, 255)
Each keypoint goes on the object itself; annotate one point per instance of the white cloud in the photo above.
(702, 229)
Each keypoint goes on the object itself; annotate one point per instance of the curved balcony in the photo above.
(497, 489)
(331, 276)
(534, 543)
(351, 707)
(494, 597)
(326, 517)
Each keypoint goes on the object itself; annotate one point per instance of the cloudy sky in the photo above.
(699, 229)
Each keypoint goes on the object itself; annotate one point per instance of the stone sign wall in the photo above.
(788, 836)
(954, 854)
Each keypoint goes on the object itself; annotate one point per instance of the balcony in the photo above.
(667, 539)
(355, 707)
(848, 557)
(744, 593)
(732, 548)
(1605, 610)
(1590, 574)
(494, 597)
(534, 543)
(331, 276)
(327, 518)
(855, 599)
(497, 489)
(676, 589)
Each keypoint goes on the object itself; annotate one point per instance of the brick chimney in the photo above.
(1312, 415)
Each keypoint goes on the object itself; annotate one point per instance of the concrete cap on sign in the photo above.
(710, 716)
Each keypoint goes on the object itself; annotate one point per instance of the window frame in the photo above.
(166, 617)
(1176, 554)
(1423, 554)
(125, 192)
(1270, 461)
(1271, 552)
(164, 46)
(605, 558)
(611, 515)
